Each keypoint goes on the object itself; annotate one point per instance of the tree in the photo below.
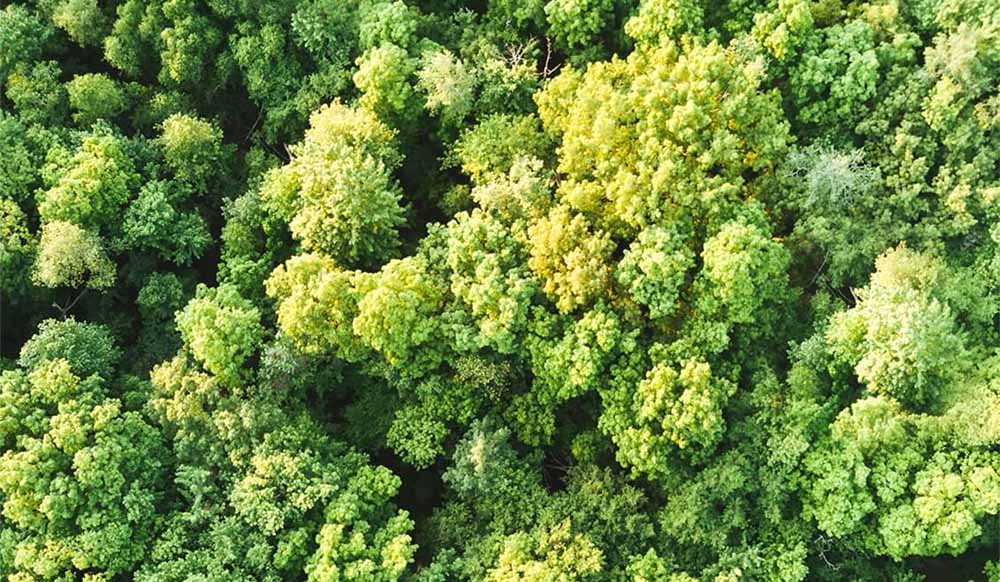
(193, 149)
(655, 268)
(161, 296)
(221, 329)
(575, 25)
(69, 256)
(895, 495)
(440, 291)
(95, 97)
(91, 186)
(362, 539)
(664, 20)
(152, 222)
(88, 348)
(448, 85)
(82, 472)
(24, 36)
(571, 261)
(899, 473)
(37, 94)
(556, 554)
(397, 316)
(275, 498)
(687, 115)
(318, 303)
(17, 248)
(338, 194)
(901, 337)
(493, 146)
(23, 150)
(83, 21)
(585, 530)
(383, 77)
(489, 276)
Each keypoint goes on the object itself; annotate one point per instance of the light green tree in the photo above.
(338, 194)
(221, 329)
(69, 256)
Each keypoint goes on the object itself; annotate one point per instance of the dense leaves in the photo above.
(537, 290)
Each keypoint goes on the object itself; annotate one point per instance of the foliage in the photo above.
(94, 97)
(221, 328)
(69, 256)
(82, 475)
(88, 348)
(446, 291)
(338, 194)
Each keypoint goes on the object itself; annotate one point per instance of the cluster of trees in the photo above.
(518, 290)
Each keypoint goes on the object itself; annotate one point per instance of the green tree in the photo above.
(153, 222)
(221, 329)
(338, 194)
(92, 186)
(570, 259)
(83, 21)
(555, 554)
(82, 473)
(193, 149)
(88, 348)
(37, 94)
(24, 36)
(94, 97)
(317, 304)
(17, 248)
(448, 84)
(901, 337)
(383, 78)
(69, 256)
(273, 499)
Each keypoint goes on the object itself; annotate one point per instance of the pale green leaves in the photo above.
(92, 186)
(555, 554)
(383, 77)
(83, 476)
(570, 258)
(676, 410)
(901, 338)
(654, 269)
(317, 305)
(492, 148)
(743, 269)
(193, 149)
(685, 404)
(890, 483)
(351, 212)
(576, 23)
(662, 19)
(95, 96)
(399, 316)
(448, 84)
(338, 192)
(903, 473)
(362, 539)
(670, 133)
(69, 256)
(489, 276)
(221, 329)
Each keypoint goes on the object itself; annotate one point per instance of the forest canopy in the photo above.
(499, 291)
